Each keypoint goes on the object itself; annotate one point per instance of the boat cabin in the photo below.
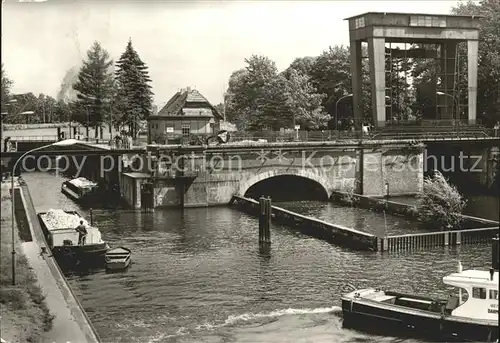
(69, 237)
(480, 300)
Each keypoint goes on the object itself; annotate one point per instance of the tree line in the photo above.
(306, 93)
(104, 92)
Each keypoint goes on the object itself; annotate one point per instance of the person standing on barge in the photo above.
(82, 233)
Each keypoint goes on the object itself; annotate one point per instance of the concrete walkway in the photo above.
(65, 328)
(70, 324)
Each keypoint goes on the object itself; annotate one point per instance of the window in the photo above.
(186, 129)
(359, 23)
(479, 293)
(494, 294)
(427, 21)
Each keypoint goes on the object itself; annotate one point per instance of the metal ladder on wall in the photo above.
(388, 81)
(460, 58)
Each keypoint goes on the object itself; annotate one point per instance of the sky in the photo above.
(194, 44)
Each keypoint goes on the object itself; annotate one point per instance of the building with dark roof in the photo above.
(186, 113)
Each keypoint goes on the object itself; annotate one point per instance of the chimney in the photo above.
(188, 89)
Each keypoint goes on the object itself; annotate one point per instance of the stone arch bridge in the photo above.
(194, 177)
(211, 175)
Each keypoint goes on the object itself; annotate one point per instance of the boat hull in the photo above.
(121, 265)
(432, 326)
(91, 255)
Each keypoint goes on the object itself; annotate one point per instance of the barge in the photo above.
(80, 189)
(469, 316)
(59, 228)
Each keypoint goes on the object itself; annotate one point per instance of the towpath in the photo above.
(70, 324)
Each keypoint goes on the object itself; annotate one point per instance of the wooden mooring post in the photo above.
(91, 218)
(265, 220)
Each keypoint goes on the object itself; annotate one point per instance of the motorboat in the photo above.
(118, 258)
(469, 316)
(79, 189)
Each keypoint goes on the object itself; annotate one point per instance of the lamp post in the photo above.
(336, 109)
(455, 102)
(66, 142)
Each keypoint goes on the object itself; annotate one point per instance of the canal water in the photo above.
(198, 274)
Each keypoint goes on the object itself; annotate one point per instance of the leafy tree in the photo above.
(6, 86)
(62, 112)
(303, 65)
(22, 107)
(440, 204)
(29, 108)
(271, 108)
(220, 108)
(259, 98)
(246, 91)
(133, 87)
(331, 76)
(237, 107)
(94, 87)
(305, 104)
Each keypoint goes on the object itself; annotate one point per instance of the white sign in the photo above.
(169, 129)
(297, 127)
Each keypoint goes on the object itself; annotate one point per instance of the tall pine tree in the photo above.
(94, 87)
(135, 91)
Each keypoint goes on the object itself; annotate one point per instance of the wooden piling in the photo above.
(91, 218)
(265, 220)
(269, 212)
(262, 214)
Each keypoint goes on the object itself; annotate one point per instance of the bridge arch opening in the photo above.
(288, 188)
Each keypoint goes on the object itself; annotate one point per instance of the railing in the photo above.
(45, 138)
(331, 135)
(436, 239)
(309, 136)
(437, 136)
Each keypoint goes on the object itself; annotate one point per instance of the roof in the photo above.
(137, 175)
(188, 99)
(82, 182)
(472, 277)
(426, 14)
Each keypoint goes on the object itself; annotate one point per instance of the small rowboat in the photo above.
(118, 258)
